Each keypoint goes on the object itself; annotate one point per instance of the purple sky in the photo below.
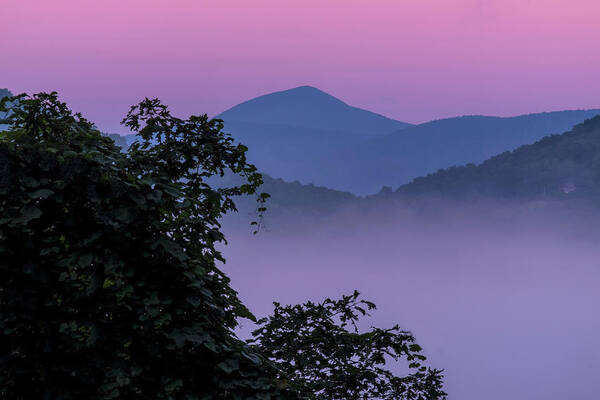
(413, 60)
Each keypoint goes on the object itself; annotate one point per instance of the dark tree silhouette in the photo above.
(319, 346)
(108, 267)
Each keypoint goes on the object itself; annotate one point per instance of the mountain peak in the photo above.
(305, 90)
(299, 97)
(310, 107)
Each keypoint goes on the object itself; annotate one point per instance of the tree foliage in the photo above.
(319, 346)
(109, 280)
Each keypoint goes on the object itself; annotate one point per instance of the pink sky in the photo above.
(413, 60)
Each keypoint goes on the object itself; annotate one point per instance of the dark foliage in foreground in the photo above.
(320, 346)
(109, 283)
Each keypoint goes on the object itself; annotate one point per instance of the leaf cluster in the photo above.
(320, 346)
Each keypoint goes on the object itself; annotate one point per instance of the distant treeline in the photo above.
(566, 165)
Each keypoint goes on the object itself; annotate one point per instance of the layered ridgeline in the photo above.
(307, 135)
(555, 174)
(397, 158)
(557, 166)
(302, 133)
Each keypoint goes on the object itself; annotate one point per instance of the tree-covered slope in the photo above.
(288, 201)
(397, 158)
(296, 195)
(558, 165)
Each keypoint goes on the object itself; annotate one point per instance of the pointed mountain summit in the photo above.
(309, 107)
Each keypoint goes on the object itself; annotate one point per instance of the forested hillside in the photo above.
(558, 166)
(289, 202)
(397, 158)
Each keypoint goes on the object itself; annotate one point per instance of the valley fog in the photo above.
(507, 308)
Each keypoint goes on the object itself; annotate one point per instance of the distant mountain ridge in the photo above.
(307, 135)
(550, 174)
(559, 174)
(557, 166)
(397, 158)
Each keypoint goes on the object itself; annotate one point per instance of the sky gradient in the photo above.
(413, 60)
